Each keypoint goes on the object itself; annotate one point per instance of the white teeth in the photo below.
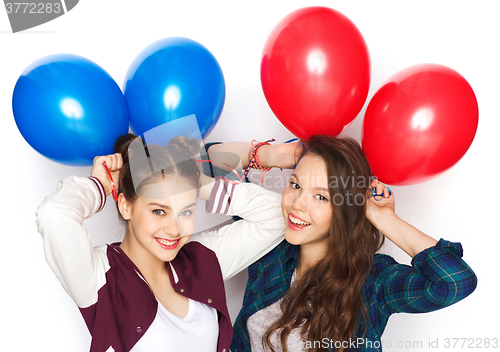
(165, 242)
(297, 221)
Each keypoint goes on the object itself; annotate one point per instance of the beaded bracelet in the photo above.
(254, 162)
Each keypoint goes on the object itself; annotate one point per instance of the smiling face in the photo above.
(306, 205)
(158, 227)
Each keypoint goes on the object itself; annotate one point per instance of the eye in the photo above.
(186, 213)
(159, 212)
(321, 197)
(294, 185)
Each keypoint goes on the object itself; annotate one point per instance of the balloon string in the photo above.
(374, 191)
(232, 170)
(115, 194)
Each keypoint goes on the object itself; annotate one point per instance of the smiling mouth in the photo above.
(297, 222)
(166, 244)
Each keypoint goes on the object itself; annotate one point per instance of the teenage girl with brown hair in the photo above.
(325, 287)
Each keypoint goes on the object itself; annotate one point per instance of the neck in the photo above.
(309, 255)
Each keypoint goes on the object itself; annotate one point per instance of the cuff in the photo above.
(102, 193)
(221, 196)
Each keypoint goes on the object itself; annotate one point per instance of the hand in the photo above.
(114, 163)
(379, 207)
(283, 155)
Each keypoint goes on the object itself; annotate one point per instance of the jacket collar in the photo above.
(197, 275)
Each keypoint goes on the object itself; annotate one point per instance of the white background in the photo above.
(460, 205)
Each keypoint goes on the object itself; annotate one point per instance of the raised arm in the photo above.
(282, 155)
(67, 244)
(438, 276)
(381, 213)
(241, 243)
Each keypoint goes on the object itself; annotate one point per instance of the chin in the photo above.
(167, 257)
(293, 238)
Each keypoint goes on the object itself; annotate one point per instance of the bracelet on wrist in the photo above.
(254, 162)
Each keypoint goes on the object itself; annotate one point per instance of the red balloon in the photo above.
(315, 71)
(419, 124)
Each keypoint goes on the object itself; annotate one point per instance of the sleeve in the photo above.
(437, 278)
(243, 242)
(67, 244)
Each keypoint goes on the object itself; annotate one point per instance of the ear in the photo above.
(124, 206)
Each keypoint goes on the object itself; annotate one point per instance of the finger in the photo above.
(381, 189)
(120, 161)
(386, 191)
(371, 197)
(390, 193)
(114, 162)
(114, 159)
(99, 160)
(110, 160)
(370, 192)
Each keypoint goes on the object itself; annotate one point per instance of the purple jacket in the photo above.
(126, 306)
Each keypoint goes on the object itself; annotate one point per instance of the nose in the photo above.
(171, 228)
(300, 202)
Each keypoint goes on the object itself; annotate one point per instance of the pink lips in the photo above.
(164, 246)
(296, 227)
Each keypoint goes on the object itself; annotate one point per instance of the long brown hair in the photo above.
(326, 302)
(174, 160)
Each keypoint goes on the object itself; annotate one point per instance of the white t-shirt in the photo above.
(197, 331)
(260, 321)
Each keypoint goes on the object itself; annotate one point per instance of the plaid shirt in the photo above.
(437, 278)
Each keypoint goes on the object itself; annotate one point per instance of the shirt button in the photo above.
(209, 301)
(138, 330)
(182, 290)
(224, 350)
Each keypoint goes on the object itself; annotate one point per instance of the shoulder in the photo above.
(275, 262)
(382, 263)
(196, 258)
(283, 250)
(196, 250)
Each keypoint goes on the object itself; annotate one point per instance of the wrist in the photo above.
(384, 221)
(101, 190)
(105, 184)
(265, 156)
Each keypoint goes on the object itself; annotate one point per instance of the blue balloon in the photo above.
(69, 109)
(173, 78)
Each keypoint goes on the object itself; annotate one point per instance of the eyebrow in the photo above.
(315, 188)
(169, 208)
